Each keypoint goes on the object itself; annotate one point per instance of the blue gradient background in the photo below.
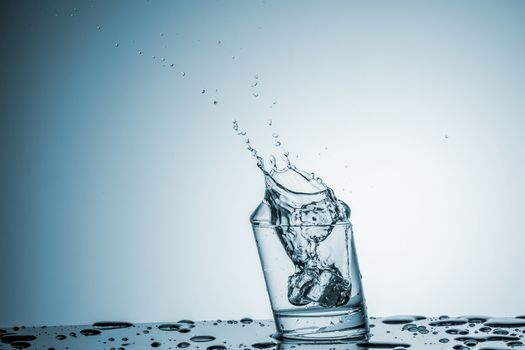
(126, 195)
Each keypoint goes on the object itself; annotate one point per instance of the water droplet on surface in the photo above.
(264, 345)
(203, 91)
(255, 94)
(90, 332)
(401, 319)
(60, 337)
(505, 322)
(383, 345)
(246, 320)
(183, 345)
(269, 122)
(202, 338)
(215, 102)
(104, 325)
(11, 338)
(155, 344)
(20, 345)
(183, 74)
(448, 322)
(169, 327)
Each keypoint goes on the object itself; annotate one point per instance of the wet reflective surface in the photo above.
(395, 332)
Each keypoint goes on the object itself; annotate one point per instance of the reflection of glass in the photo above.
(316, 301)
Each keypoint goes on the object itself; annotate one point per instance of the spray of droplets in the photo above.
(274, 166)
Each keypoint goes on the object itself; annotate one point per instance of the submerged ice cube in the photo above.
(299, 284)
(325, 287)
(330, 289)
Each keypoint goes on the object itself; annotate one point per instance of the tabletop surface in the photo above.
(395, 332)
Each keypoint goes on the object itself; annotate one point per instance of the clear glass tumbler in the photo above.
(320, 303)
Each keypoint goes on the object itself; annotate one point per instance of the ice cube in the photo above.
(323, 286)
(299, 284)
(330, 289)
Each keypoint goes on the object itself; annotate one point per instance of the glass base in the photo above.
(322, 325)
